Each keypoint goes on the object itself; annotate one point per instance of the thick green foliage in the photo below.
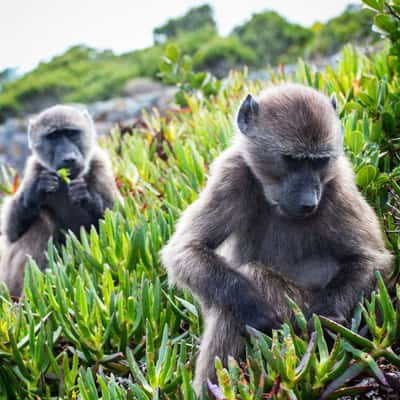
(273, 39)
(195, 19)
(80, 74)
(178, 70)
(235, 55)
(387, 23)
(83, 74)
(102, 322)
(353, 25)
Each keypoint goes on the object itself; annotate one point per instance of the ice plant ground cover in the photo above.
(102, 322)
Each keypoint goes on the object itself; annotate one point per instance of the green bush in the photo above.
(145, 61)
(352, 26)
(220, 55)
(81, 74)
(191, 42)
(273, 39)
(177, 70)
(387, 23)
(195, 19)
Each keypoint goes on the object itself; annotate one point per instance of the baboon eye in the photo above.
(296, 162)
(74, 135)
(320, 162)
(54, 135)
(73, 132)
(291, 161)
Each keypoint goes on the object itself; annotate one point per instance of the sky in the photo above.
(35, 30)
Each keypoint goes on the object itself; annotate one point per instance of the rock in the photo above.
(124, 110)
(166, 98)
(139, 86)
(13, 143)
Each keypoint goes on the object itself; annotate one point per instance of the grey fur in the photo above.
(247, 114)
(334, 101)
(238, 250)
(44, 206)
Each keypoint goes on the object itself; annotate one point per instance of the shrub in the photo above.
(195, 19)
(177, 70)
(81, 74)
(221, 55)
(352, 26)
(272, 37)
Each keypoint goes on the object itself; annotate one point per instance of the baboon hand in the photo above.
(328, 312)
(257, 314)
(78, 191)
(48, 182)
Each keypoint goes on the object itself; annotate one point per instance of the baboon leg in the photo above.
(221, 338)
(12, 268)
(14, 256)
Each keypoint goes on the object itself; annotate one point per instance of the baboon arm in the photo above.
(355, 279)
(101, 184)
(190, 256)
(359, 250)
(96, 204)
(16, 215)
(18, 218)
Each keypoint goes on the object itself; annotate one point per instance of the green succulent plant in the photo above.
(102, 321)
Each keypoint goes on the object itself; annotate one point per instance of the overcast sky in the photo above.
(36, 30)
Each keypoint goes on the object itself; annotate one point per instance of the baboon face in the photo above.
(291, 140)
(300, 190)
(61, 137)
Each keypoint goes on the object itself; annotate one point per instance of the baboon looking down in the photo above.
(280, 214)
(45, 205)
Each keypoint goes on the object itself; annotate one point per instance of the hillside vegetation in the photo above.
(85, 75)
(102, 322)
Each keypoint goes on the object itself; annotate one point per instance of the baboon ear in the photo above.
(334, 101)
(247, 114)
(31, 122)
(86, 114)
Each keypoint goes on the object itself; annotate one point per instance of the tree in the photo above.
(271, 36)
(351, 26)
(195, 19)
(220, 55)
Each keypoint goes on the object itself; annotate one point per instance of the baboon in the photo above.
(45, 206)
(280, 215)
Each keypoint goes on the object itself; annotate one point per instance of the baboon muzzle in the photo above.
(301, 195)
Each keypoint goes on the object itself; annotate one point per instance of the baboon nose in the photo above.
(69, 160)
(309, 203)
(308, 208)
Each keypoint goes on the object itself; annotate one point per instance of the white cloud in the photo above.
(35, 30)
